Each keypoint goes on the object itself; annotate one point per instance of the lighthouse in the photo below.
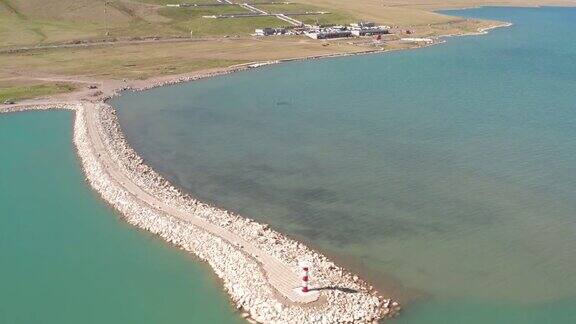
(305, 278)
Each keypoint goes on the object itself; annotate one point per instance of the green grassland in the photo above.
(123, 62)
(191, 19)
(335, 17)
(165, 2)
(325, 20)
(31, 22)
(141, 61)
(19, 92)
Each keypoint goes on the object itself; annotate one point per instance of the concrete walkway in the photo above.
(279, 275)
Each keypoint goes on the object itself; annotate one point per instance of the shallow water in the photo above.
(446, 175)
(67, 258)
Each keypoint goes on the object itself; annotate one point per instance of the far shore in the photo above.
(108, 88)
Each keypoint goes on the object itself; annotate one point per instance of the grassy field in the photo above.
(28, 22)
(25, 22)
(146, 60)
(32, 90)
(165, 2)
(123, 62)
(335, 17)
(191, 19)
(327, 19)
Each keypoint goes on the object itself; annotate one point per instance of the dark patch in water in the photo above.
(283, 103)
(315, 195)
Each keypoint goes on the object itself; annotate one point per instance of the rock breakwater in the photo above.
(103, 151)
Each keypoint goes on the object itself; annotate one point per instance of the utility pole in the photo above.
(107, 32)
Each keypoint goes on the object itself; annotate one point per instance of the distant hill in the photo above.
(47, 21)
(25, 22)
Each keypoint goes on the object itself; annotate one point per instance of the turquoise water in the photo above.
(445, 175)
(67, 258)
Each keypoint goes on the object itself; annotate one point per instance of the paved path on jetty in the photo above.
(279, 275)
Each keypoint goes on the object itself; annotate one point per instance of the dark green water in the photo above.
(65, 257)
(447, 175)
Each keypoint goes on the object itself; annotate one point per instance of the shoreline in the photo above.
(248, 286)
(199, 75)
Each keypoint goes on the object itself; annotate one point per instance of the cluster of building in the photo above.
(326, 32)
(272, 31)
(364, 28)
(180, 5)
(355, 29)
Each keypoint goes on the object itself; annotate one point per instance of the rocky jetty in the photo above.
(344, 298)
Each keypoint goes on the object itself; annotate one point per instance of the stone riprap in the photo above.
(343, 296)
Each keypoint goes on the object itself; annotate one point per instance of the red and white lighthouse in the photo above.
(305, 278)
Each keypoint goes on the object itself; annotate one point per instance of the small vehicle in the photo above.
(9, 102)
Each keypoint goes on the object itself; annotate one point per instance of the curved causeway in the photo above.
(279, 275)
(259, 267)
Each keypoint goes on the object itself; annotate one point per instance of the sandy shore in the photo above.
(259, 267)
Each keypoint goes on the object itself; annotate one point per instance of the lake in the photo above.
(444, 175)
(67, 258)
